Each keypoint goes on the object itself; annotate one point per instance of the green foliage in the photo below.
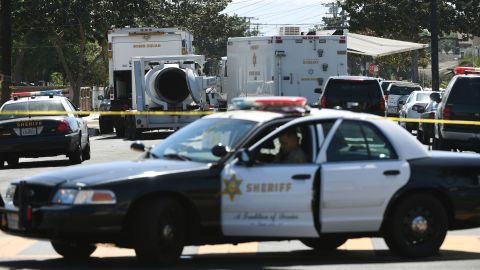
(57, 78)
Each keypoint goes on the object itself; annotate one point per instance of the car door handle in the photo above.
(301, 176)
(391, 172)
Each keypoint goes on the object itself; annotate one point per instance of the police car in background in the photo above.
(217, 181)
(26, 133)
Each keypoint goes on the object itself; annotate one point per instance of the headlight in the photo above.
(10, 193)
(74, 196)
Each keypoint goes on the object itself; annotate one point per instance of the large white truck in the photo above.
(123, 45)
(287, 65)
(168, 93)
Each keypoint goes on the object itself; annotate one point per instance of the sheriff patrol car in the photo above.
(217, 181)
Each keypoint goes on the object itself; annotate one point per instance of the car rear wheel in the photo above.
(72, 250)
(159, 232)
(13, 162)
(106, 126)
(420, 136)
(324, 243)
(76, 157)
(86, 151)
(417, 226)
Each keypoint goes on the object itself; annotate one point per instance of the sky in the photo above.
(272, 14)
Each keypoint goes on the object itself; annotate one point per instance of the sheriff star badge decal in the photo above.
(232, 187)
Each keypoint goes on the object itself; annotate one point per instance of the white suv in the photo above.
(397, 94)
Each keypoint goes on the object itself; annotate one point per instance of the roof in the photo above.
(375, 46)
(346, 77)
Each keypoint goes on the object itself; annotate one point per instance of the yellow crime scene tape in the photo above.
(189, 113)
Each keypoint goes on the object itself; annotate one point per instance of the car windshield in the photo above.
(196, 140)
(403, 89)
(465, 91)
(37, 105)
(423, 97)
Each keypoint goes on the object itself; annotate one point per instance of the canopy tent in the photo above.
(375, 46)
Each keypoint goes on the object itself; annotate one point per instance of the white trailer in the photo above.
(289, 65)
(123, 45)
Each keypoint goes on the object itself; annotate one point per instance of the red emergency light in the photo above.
(274, 104)
(466, 70)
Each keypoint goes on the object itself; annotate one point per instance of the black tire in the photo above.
(2, 164)
(86, 154)
(106, 125)
(324, 243)
(73, 251)
(417, 226)
(13, 161)
(420, 136)
(119, 124)
(440, 144)
(159, 232)
(76, 157)
(131, 132)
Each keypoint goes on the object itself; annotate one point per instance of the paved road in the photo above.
(461, 249)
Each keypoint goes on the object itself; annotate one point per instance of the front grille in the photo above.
(38, 195)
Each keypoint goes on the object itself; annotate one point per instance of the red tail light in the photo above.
(447, 113)
(323, 102)
(382, 104)
(63, 127)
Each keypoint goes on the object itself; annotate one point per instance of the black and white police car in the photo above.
(217, 181)
(40, 124)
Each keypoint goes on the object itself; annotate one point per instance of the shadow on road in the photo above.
(253, 261)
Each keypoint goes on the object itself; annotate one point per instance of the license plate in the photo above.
(352, 105)
(28, 131)
(12, 221)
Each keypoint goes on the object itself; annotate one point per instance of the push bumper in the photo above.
(95, 223)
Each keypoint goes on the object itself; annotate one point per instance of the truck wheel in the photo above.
(417, 227)
(76, 157)
(73, 251)
(324, 243)
(119, 124)
(159, 232)
(420, 136)
(106, 126)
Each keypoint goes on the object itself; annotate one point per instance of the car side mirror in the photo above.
(137, 146)
(244, 156)
(401, 102)
(220, 150)
(436, 97)
(318, 90)
(421, 109)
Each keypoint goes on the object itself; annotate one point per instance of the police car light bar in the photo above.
(466, 70)
(283, 104)
(56, 92)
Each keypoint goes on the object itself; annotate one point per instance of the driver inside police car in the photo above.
(290, 150)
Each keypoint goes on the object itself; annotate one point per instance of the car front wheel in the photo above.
(159, 232)
(417, 226)
(324, 243)
(73, 251)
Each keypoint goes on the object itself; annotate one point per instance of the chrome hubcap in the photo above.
(419, 224)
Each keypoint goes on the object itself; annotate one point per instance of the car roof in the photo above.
(33, 99)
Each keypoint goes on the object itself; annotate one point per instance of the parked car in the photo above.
(386, 84)
(217, 180)
(425, 131)
(397, 95)
(416, 100)
(460, 101)
(354, 93)
(29, 135)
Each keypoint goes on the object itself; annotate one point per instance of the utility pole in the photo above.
(6, 43)
(434, 46)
